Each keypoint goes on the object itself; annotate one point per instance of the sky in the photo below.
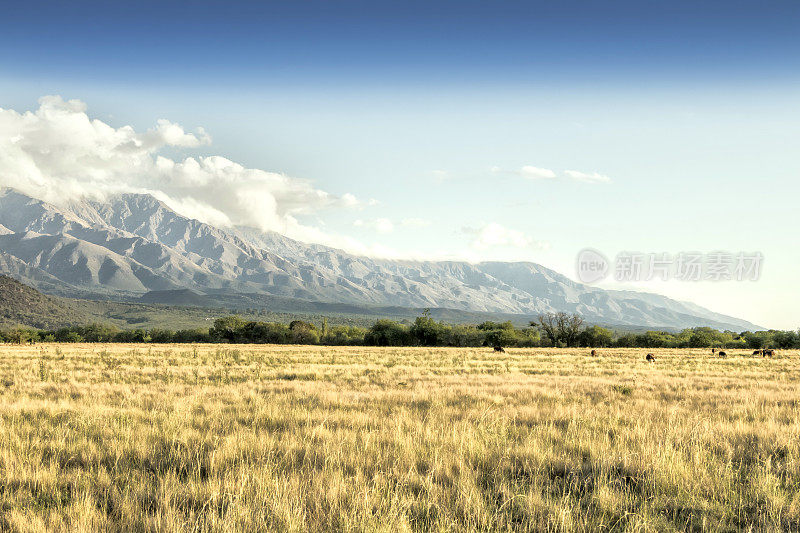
(431, 130)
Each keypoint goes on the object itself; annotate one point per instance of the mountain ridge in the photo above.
(132, 244)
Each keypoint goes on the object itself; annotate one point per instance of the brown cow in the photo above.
(768, 353)
(651, 358)
(594, 353)
(499, 348)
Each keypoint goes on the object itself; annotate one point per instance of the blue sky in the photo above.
(428, 112)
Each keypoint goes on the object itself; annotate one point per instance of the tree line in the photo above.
(548, 330)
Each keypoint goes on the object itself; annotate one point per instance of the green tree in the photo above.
(228, 328)
(785, 340)
(303, 333)
(134, 335)
(98, 333)
(706, 337)
(501, 338)
(489, 325)
(596, 337)
(20, 335)
(300, 324)
(426, 331)
(162, 335)
(560, 328)
(656, 339)
(387, 333)
(626, 341)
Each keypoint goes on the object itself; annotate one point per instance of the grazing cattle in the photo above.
(499, 348)
(722, 354)
(768, 353)
(758, 352)
(594, 353)
(713, 351)
(650, 358)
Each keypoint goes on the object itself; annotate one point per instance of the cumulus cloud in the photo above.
(58, 153)
(594, 177)
(494, 235)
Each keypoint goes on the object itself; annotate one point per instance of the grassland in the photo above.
(288, 438)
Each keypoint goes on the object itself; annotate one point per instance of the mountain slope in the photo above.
(134, 243)
(22, 305)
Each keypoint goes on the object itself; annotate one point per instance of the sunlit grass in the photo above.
(309, 438)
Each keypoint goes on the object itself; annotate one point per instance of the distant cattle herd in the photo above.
(765, 352)
(651, 358)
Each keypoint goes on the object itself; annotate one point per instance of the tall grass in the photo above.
(253, 438)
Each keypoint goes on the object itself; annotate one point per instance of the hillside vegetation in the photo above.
(20, 304)
(256, 438)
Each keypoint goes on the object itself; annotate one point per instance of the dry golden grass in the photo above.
(290, 438)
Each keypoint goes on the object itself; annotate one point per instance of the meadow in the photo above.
(309, 438)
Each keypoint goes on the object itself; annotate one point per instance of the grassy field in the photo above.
(289, 438)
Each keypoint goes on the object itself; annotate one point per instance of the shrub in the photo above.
(387, 333)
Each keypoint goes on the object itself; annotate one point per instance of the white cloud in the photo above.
(527, 171)
(594, 177)
(535, 173)
(349, 200)
(384, 225)
(494, 235)
(58, 153)
(381, 225)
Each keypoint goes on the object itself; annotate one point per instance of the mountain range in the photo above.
(133, 246)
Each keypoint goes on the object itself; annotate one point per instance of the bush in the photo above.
(162, 335)
(387, 333)
(343, 336)
(426, 331)
(266, 333)
(136, 335)
(304, 335)
(501, 337)
(228, 328)
(596, 337)
(192, 335)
